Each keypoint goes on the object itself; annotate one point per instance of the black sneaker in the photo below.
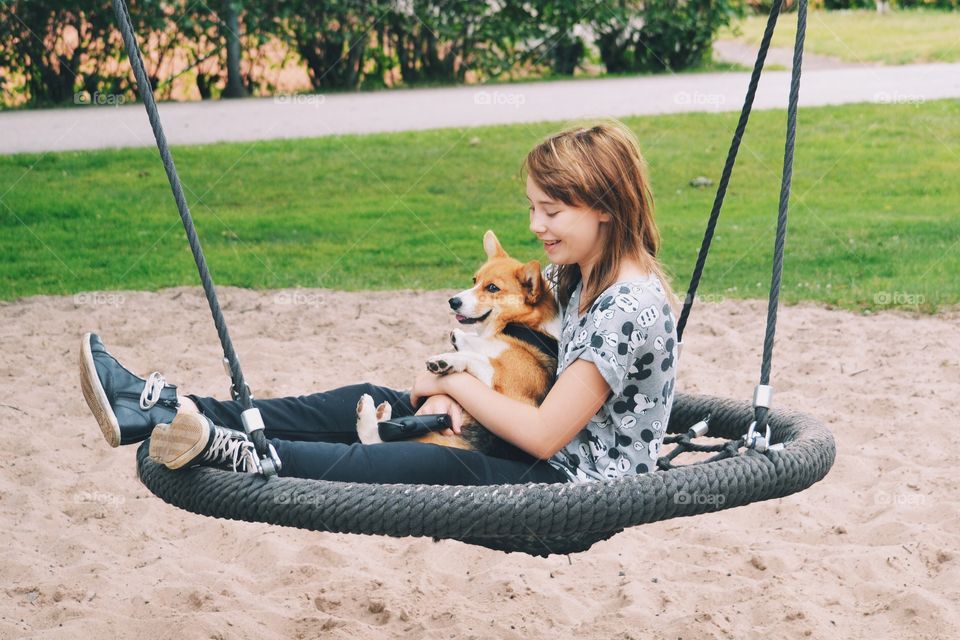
(192, 439)
(126, 406)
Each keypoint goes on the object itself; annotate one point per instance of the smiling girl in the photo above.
(591, 206)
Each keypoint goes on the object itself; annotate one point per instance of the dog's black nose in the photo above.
(455, 303)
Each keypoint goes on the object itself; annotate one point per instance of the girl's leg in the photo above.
(406, 463)
(329, 416)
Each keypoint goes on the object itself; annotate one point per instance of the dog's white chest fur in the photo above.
(481, 345)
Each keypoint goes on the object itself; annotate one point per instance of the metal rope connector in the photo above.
(763, 396)
(753, 439)
(762, 399)
(271, 463)
(700, 429)
(253, 422)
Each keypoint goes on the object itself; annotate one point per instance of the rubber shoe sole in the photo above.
(179, 443)
(95, 395)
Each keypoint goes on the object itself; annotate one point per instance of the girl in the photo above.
(591, 206)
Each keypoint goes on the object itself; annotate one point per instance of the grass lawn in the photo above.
(898, 37)
(873, 216)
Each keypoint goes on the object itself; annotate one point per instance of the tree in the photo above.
(659, 35)
(58, 47)
(562, 47)
(330, 37)
(230, 28)
(443, 40)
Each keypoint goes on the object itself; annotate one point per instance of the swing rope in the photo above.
(763, 393)
(239, 390)
(786, 180)
(728, 168)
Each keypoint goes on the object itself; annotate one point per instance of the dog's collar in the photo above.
(539, 340)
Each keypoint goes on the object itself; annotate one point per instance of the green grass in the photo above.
(873, 213)
(898, 37)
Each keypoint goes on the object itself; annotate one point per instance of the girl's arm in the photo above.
(541, 431)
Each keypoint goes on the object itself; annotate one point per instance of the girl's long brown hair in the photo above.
(601, 168)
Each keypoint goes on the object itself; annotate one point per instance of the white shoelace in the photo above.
(152, 390)
(236, 449)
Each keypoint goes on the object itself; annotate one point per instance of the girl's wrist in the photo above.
(448, 381)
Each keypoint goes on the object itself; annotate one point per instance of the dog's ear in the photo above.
(492, 246)
(531, 279)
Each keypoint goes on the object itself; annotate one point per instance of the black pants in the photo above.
(316, 437)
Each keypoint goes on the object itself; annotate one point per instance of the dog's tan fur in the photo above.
(505, 291)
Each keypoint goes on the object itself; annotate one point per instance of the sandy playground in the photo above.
(869, 552)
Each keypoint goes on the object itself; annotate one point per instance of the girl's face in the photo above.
(570, 235)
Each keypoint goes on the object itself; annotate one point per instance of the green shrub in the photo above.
(948, 5)
(66, 51)
(848, 4)
(659, 35)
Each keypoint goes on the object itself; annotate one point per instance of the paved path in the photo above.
(319, 115)
(746, 54)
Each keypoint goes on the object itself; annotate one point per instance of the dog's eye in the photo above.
(492, 288)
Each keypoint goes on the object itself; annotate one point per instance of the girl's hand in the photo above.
(427, 384)
(443, 403)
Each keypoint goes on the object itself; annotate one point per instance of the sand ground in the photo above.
(869, 552)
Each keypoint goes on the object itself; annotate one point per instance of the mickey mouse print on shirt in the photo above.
(629, 334)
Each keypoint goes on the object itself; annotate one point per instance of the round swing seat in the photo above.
(537, 519)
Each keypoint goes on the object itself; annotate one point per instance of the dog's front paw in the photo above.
(438, 365)
(445, 363)
(368, 417)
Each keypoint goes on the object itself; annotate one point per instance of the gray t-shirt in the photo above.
(629, 333)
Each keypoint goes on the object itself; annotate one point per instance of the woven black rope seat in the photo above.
(537, 519)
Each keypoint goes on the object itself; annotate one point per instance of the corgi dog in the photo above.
(512, 348)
